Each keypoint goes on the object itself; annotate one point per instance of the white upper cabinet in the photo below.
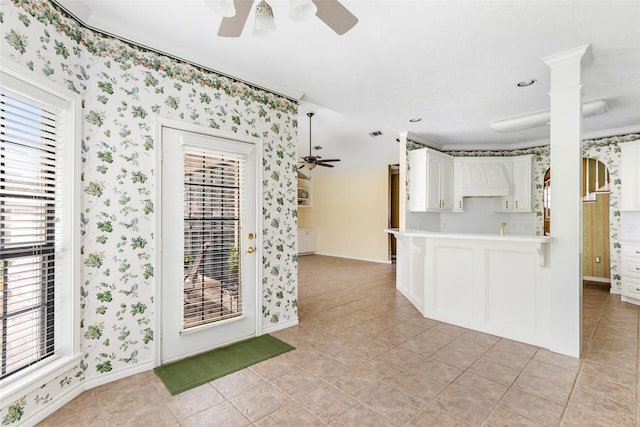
(519, 171)
(522, 183)
(446, 182)
(430, 181)
(458, 200)
(438, 182)
(630, 176)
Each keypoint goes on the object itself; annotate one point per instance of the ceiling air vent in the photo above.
(375, 133)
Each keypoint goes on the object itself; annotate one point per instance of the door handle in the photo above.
(250, 250)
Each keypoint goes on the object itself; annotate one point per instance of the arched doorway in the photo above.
(595, 219)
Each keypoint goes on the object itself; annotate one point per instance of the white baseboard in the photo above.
(355, 258)
(597, 279)
(118, 375)
(74, 391)
(67, 396)
(279, 326)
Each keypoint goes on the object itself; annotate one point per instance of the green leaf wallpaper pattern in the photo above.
(123, 88)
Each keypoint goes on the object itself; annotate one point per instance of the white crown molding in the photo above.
(495, 147)
(540, 142)
(611, 132)
(424, 141)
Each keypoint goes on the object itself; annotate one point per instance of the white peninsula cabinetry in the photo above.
(490, 283)
(430, 181)
(630, 176)
(631, 272)
(306, 240)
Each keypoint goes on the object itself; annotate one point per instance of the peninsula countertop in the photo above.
(468, 236)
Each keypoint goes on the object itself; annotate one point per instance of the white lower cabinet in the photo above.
(306, 240)
(631, 272)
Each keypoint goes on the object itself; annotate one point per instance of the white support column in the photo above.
(565, 287)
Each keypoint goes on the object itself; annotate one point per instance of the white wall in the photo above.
(350, 210)
(630, 225)
(479, 216)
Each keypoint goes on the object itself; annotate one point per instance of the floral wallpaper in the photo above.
(123, 88)
(606, 150)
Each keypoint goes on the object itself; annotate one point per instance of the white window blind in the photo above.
(212, 261)
(28, 204)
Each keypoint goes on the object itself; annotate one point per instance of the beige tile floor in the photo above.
(365, 357)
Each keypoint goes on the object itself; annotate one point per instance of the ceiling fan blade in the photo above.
(233, 26)
(328, 165)
(335, 15)
(328, 160)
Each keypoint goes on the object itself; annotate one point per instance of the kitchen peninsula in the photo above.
(487, 282)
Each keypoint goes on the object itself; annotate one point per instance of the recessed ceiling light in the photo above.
(526, 83)
(415, 120)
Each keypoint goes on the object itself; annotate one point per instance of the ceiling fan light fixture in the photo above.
(300, 10)
(224, 8)
(265, 24)
(310, 165)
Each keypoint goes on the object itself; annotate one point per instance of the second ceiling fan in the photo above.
(312, 161)
(331, 12)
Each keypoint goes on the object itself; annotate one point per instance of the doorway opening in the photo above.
(596, 253)
(394, 207)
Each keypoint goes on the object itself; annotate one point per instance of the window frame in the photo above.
(67, 316)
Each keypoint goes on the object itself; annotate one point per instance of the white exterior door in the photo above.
(208, 241)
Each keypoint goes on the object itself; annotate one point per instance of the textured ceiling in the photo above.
(455, 64)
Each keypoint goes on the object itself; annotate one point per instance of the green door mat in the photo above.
(196, 370)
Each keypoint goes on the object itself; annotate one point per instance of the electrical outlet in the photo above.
(598, 260)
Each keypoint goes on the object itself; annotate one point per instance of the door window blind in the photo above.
(212, 262)
(27, 231)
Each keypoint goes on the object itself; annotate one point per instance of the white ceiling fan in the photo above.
(236, 12)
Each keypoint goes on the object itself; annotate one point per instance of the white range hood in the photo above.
(485, 177)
